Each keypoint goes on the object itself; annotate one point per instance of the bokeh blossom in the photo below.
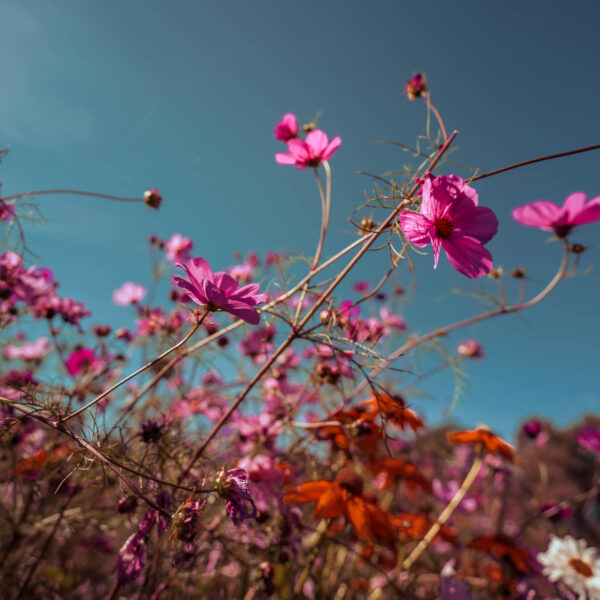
(310, 152)
(28, 351)
(470, 349)
(547, 216)
(219, 291)
(179, 248)
(81, 361)
(128, 293)
(450, 218)
(287, 128)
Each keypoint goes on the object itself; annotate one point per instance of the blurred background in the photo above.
(120, 97)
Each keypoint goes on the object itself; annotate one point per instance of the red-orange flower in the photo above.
(415, 526)
(395, 411)
(482, 435)
(500, 546)
(399, 468)
(344, 498)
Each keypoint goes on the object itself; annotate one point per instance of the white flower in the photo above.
(572, 562)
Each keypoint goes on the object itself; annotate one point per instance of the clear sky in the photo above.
(118, 97)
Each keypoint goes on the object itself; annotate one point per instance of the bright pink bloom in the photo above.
(471, 349)
(128, 293)
(547, 216)
(287, 128)
(310, 152)
(179, 248)
(219, 291)
(450, 218)
(81, 360)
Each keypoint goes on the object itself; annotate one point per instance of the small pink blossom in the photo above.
(416, 86)
(179, 248)
(29, 351)
(391, 321)
(470, 349)
(128, 293)
(547, 216)
(287, 128)
(450, 218)
(81, 360)
(219, 291)
(310, 152)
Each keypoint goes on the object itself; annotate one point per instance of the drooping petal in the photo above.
(242, 310)
(194, 292)
(249, 293)
(416, 227)
(284, 158)
(300, 150)
(478, 222)
(333, 145)
(539, 214)
(331, 503)
(309, 491)
(468, 256)
(589, 214)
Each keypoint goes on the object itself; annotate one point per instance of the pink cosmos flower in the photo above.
(547, 216)
(287, 128)
(81, 360)
(179, 248)
(219, 291)
(29, 351)
(450, 218)
(310, 152)
(128, 293)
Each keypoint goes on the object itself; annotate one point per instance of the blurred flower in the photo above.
(82, 360)
(450, 218)
(500, 546)
(589, 438)
(547, 216)
(132, 559)
(395, 410)
(482, 435)
(310, 152)
(287, 128)
(416, 86)
(29, 351)
(7, 211)
(233, 487)
(152, 198)
(572, 562)
(219, 291)
(128, 293)
(178, 248)
(470, 349)
(532, 429)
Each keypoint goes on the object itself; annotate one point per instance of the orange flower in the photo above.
(500, 546)
(343, 498)
(415, 526)
(395, 410)
(400, 468)
(360, 430)
(482, 435)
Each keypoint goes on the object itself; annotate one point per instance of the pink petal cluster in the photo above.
(128, 293)
(287, 128)
(450, 218)
(547, 216)
(29, 351)
(310, 152)
(219, 291)
(179, 248)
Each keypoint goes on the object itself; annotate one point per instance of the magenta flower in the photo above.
(589, 438)
(450, 218)
(310, 152)
(287, 128)
(219, 291)
(547, 216)
(81, 360)
(128, 293)
(7, 211)
(233, 487)
(179, 248)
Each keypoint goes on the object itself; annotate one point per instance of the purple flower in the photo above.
(233, 487)
(132, 559)
(219, 291)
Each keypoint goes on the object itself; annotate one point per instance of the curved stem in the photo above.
(434, 110)
(134, 374)
(75, 192)
(503, 310)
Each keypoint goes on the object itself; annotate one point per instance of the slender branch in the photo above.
(74, 192)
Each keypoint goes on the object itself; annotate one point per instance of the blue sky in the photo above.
(118, 97)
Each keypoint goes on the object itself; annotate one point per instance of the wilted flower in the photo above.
(547, 216)
(233, 487)
(287, 128)
(219, 291)
(572, 562)
(450, 218)
(310, 152)
(132, 559)
(416, 86)
(152, 198)
(128, 293)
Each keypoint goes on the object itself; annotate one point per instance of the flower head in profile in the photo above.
(128, 293)
(572, 562)
(483, 436)
(547, 216)
(287, 128)
(310, 152)
(416, 86)
(152, 198)
(233, 487)
(219, 291)
(450, 218)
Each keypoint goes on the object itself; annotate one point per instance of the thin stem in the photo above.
(445, 514)
(437, 115)
(75, 192)
(140, 370)
(534, 160)
(324, 296)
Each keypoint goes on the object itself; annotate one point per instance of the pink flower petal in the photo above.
(589, 214)
(468, 256)
(333, 145)
(540, 214)
(283, 158)
(478, 222)
(317, 141)
(416, 228)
